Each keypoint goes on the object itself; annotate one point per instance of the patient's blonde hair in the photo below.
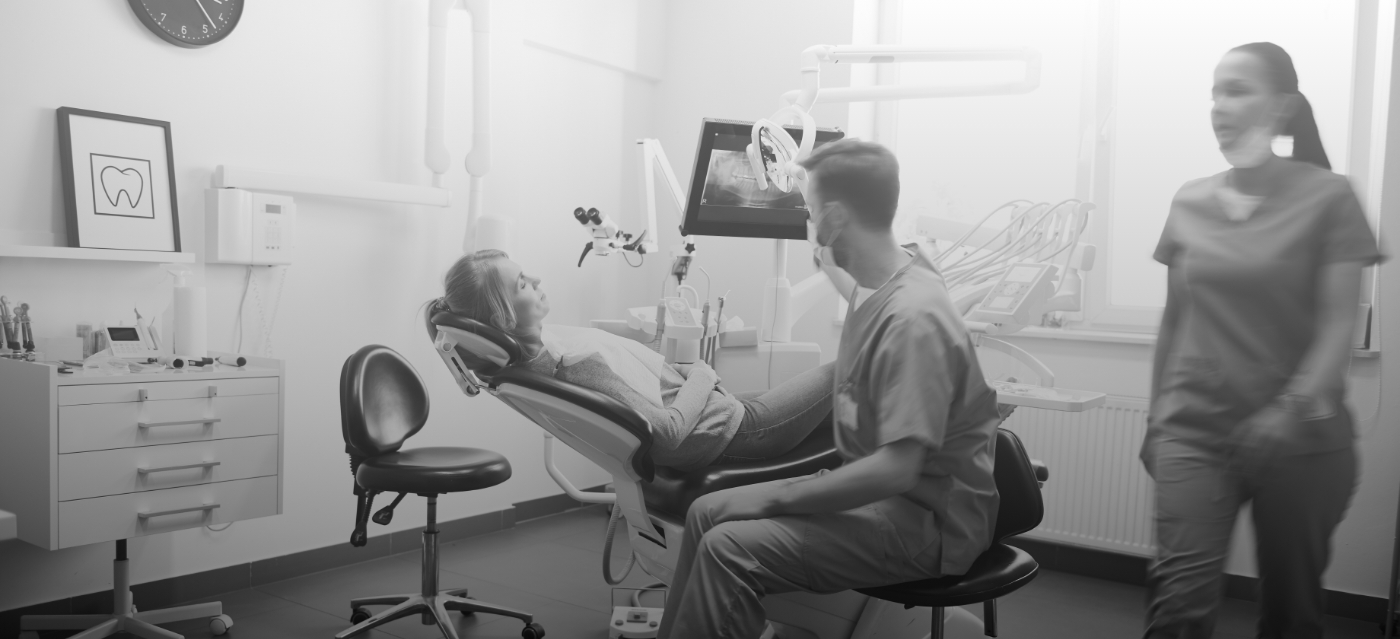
(473, 288)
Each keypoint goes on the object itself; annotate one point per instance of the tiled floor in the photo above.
(551, 567)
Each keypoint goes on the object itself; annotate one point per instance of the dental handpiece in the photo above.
(7, 329)
(26, 331)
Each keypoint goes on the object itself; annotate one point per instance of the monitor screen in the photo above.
(724, 195)
(123, 334)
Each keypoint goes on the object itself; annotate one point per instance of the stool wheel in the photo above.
(359, 615)
(533, 631)
(220, 624)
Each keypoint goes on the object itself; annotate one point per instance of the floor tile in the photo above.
(552, 570)
(332, 590)
(288, 622)
(580, 521)
(246, 603)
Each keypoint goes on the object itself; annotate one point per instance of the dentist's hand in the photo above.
(740, 506)
(1256, 440)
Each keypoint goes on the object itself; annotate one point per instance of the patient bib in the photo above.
(638, 366)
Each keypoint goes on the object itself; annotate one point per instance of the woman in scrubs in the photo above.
(1264, 280)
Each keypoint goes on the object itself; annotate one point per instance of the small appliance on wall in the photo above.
(243, 227)
(189, 23)
(118, 181)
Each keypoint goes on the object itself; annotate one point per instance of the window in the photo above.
(1121, 117)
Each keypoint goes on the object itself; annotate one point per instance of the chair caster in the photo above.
(533, 631)
(220, 624)
(359, 615)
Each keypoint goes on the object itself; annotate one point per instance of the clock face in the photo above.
(189, 23)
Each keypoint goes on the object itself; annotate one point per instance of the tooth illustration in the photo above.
(117, 181)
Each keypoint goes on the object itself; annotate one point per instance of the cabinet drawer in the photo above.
(106, 426)
(118, 471)
(131, 392)
(86, 521)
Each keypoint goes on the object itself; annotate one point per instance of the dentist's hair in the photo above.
(862, 175)
(473, 288)
(1307, 142)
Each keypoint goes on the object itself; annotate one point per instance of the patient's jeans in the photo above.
(777, 420)
(1297, 503)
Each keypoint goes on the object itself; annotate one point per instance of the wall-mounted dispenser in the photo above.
(243, 227)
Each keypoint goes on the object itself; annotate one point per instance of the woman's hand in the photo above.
(686, 370)
(1005, 410)
(1256, 441)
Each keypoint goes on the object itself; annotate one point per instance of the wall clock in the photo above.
(189, 23)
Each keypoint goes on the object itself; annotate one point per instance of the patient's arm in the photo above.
(670, 424)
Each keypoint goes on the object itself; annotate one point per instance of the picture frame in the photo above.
(118, 181)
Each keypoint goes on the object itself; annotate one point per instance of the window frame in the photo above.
(1095, 176)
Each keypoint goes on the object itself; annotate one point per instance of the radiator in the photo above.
(1098, 494)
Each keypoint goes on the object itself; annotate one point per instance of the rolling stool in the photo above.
(382, 403)
(1002, 569)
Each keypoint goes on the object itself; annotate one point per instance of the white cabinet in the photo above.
(90, 458)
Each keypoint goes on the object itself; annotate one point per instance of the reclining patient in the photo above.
(695, 422)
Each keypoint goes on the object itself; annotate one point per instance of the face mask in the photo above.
(825, 253)
(1253, 148)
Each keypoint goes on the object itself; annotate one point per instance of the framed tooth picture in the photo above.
(118, 181)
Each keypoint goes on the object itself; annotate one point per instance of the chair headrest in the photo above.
(1021, 505)
(491, 350)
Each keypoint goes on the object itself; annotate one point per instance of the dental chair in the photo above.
(653, 500)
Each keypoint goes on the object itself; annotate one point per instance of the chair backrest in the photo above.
(1021, 506)
(484, 349)
(382, 401)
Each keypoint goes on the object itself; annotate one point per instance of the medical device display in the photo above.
(728, 197)
(249, 228)
(130, 342)
(1018, 297)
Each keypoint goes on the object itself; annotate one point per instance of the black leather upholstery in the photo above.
(1021, 507)
(1002, 568)
(586, 399)
(433, 471)
(999, 571)
(382, 401)
(672, 491)
(484, 368)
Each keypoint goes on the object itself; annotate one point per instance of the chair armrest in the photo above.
(613, 412)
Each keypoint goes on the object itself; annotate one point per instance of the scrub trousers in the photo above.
(724, 570)
(1297, 500)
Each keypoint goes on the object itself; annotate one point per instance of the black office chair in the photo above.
(382, 403)
(1002, 569)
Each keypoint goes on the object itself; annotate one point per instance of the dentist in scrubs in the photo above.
(1264, 278)
(914, 419)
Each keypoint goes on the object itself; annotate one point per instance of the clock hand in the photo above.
(206, 15)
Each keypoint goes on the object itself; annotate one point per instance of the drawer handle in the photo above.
(187, 422)
(209, 464)
(162, 513)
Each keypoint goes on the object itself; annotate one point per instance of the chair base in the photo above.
(437, 608)
(125, 618)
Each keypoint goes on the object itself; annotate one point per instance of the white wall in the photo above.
(342, 98)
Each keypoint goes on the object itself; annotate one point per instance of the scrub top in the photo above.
(907, 369)
(1247, 292)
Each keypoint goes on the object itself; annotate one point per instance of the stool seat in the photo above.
(433, 471)
(672, 491)
(999, 571)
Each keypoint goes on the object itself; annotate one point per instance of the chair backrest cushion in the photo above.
(495, 350)
(590, 407)
(382, 401)
(1021, 506)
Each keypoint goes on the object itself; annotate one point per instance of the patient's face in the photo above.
(527, 296)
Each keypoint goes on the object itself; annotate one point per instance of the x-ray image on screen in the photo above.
(730, 181)
(724, 195)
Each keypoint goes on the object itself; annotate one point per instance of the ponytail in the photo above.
(1307, 142)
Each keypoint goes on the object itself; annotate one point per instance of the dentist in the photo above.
(914, 420)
